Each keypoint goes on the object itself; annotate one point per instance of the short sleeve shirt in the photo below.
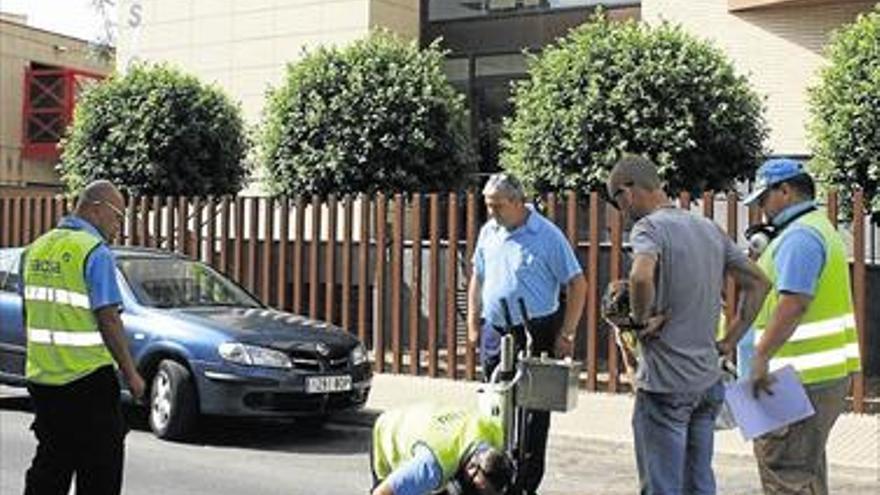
(692, 255)
(530, 262)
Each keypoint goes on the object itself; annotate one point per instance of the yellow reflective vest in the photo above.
(63, 340)
(450, 432)
(824, 346)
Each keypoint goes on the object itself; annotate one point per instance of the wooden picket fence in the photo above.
(394, 269)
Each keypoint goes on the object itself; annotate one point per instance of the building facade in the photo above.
(40, 76)
(777, 43)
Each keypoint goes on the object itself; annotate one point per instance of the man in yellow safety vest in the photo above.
(74, 335)
(806, 321)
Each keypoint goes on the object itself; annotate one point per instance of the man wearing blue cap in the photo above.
(806, 322)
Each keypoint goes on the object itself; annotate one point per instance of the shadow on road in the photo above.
(16, 403)
(303, 436)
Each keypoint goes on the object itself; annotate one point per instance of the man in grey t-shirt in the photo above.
(680, 261)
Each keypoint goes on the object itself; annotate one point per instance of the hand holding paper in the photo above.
(786, 404)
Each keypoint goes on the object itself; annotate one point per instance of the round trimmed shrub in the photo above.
(156, 130)
(611, 87)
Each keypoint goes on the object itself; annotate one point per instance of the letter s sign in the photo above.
(134, 15)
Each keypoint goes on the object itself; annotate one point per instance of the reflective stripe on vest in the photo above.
(72, 339)
(824, 346)
(61, 296)
(63, 339)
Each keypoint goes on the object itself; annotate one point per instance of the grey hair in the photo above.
(96, 191)
(506, 185)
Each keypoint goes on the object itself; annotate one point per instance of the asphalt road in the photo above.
(231, 457)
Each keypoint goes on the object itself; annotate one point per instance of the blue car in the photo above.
(206, 346)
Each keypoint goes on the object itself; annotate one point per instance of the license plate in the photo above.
(324, 384)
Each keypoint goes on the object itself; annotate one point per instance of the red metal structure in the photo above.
(50, 95)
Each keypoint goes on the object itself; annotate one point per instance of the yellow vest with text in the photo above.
(63, 340)
(824, 346)
(450, 432)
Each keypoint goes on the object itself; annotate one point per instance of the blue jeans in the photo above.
(674, 436)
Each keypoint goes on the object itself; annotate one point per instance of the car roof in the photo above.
(121, 252)
(144, 252)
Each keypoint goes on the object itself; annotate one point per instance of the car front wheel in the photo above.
(173, 408)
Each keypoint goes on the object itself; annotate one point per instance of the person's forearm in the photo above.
(474, 308)
(782, 324)
(576, 293)
(641, 296)
(752, 286)
(110, 326)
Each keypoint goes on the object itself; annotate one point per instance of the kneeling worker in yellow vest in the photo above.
(74, 335)
(806, 322)
(424, 448)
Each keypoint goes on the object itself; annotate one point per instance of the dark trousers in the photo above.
(544, 331)
(80, 430)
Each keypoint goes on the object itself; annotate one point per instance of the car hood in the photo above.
(270, 328)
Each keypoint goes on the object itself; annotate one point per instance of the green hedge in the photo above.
(377, 115)
(155, 130)
(845, 111)
(611, 87)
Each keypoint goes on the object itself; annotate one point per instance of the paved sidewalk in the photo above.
(606, 418)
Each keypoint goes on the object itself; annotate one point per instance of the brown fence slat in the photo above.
(709, 204)
(470, 236)
(143, 217)
(169, 223)
(253, 240)
(551, 206)
(5, 221)
(195, 236)
(615, 272)
(281, 299)
(379, 303)
(415, 300)
(433, 282)
(396, 281)
(363, 262)
(684, 200)
(183, 225)
(314, 255)
(38, 217)
(268, 265)
(452, 288)
(131, 234)
(346, 261)
(330, 262)
(156, 240)
(27, 220)
(211, 235)
(299, 233)
(732, 230)
(238, 243)
(832, 208)
(859, 295)
(593, 294)
(224, 234)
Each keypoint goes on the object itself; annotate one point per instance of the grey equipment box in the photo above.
(548, 384)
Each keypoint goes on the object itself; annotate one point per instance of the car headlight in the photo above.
(358, 355)
(251, 355)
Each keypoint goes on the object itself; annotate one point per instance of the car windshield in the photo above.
(181, 283)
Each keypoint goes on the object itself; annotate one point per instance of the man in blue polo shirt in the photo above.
(520, 255)
(74, 336)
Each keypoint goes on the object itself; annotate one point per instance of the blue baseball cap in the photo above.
(773, 172)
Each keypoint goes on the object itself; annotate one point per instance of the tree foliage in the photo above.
(377, 115)
(611, 87)
(845, 112)
(155, 130)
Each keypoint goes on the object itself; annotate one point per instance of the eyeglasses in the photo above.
(119, 213)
